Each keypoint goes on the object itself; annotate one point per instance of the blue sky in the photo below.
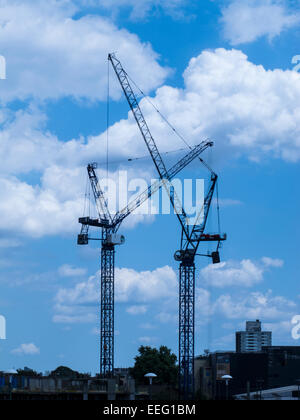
(217, 69)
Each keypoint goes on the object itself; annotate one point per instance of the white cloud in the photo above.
(240, 105)
(226, 274)
(40, 210)
(271, 262)
(245, 273)
(234, 102)
(145, 286)
(54, 206)
(51, 54)
(79, 304)
(255, 305)
(137, 309)
(67, 270)
(26, 349)
(246, 21)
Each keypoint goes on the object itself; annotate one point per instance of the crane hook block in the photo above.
(216, 257)
(82, 240)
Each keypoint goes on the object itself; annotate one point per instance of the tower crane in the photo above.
(191, 237)
(110, 225)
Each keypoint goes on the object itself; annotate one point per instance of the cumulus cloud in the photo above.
(26, 349)
(272, 262)
(27, 146)
(78, 304)
(54, 206)
(246, 21)
(240, 105)
(255, 305)
(51, 54)
(145, 286)
(40, 210)
(245, 273)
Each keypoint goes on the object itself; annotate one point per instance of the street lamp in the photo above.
(227, 379)
(150, 376)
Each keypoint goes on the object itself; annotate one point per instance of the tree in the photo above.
(28, 372)
(162, 362)
(64, 372)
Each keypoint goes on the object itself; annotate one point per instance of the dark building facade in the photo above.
(273, 367)
(248, 371)
(283, 365)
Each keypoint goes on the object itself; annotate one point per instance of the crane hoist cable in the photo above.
(86, 195)
(166, 120)
(108, 125)
(160, 114)
(107, 117)
(129, 160)
(185, 142)
(218, 211)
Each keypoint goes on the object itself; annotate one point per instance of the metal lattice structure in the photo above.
(110, 226)
(191, 238)
(186, 328)
(107, 310)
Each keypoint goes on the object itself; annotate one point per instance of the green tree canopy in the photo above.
(162, 362)
(28, 372)
(66, 372)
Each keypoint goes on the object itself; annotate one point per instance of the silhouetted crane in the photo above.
(110, 225)
(191, 237)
